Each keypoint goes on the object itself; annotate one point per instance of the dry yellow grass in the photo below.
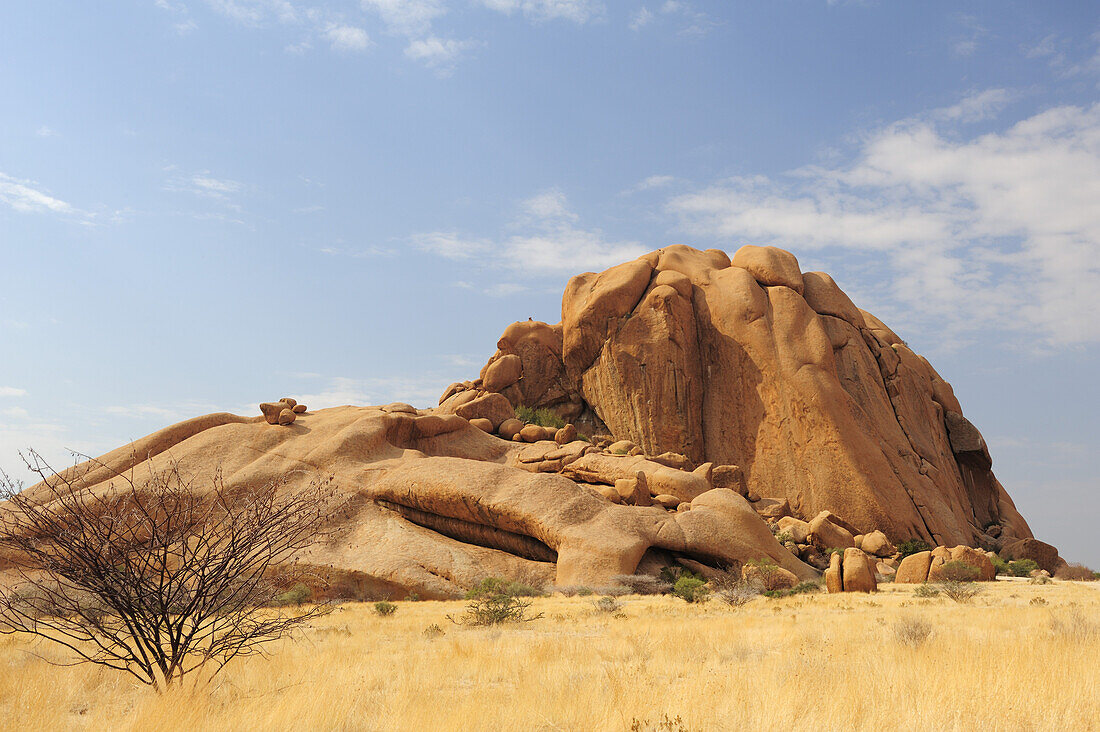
(813, 662)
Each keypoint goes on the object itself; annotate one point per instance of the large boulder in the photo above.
(913, 569)
(827, 535)
(858, 571)
(1043, 554)
(876, 544)
(749, 362)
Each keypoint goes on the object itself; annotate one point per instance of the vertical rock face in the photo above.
(750, 362)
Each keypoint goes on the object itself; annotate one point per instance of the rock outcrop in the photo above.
(750, 362)
(435, 504)
(707, 404)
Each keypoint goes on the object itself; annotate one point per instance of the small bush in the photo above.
(799, 589)
(664, 724)
(926, 590)
(540, 416)
(1038, 601)
(912, 631)
(1073, 626)
(960, 592)
(1039, 579)
(734, 590)
(385, 609)
(1000, 566)
(500, 586)
(959, 571)
(784, 537)
(299, 594)
(608, 606)
(494, 601)
(643, 584)
(913, 546)
(691, 588)
(1022, 567)
(1078, 572)
(495, 610)
(434, 631)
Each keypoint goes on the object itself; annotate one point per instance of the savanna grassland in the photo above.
(1018, 657)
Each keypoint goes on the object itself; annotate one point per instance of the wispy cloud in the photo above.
(578, 11)
(45, 131)
(551, 243)
(347, 38)
(12, 391)
(25, 196)
(205, 185)
(650, 183)
(976, 107)
(438, 53)
(1000, 230)
(640, 18)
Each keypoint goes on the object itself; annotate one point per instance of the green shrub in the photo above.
(690, 588)
(501, 586)
(926, 590)
(1001, 566)
(385, 609)
(913, 546)
(299, 594)
(960, 592)
(540, 416)
(799, 589)
(494, 610)
(784, 537)
(959, 571)
(1022, 567)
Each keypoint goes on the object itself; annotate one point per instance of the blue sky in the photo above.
(209, 203)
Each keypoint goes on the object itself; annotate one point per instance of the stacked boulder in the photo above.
(928, 566)
(852, 571)
(282, 412)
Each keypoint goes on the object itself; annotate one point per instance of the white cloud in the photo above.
(253, 12)
(347, 38)
(15, 412)
(553, 246)
(22, 196)
(418, 390)
(578, 11)
(204, 182)
(504, 289)
(437, 53)
(1001, 230)
(640, 18)
(650, 183)
(45, 131)
(976, 107)
(205, 185)
(451, 245)
(409, 17)
(549, 204)
(12, 391)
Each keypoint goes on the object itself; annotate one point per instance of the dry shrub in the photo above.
(733, 590)
(912, 631)
(1074, 626)
(1078, 572)
(643, 584)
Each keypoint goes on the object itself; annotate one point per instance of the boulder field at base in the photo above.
(703, 410)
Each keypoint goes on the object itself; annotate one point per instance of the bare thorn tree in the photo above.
(159, 577)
